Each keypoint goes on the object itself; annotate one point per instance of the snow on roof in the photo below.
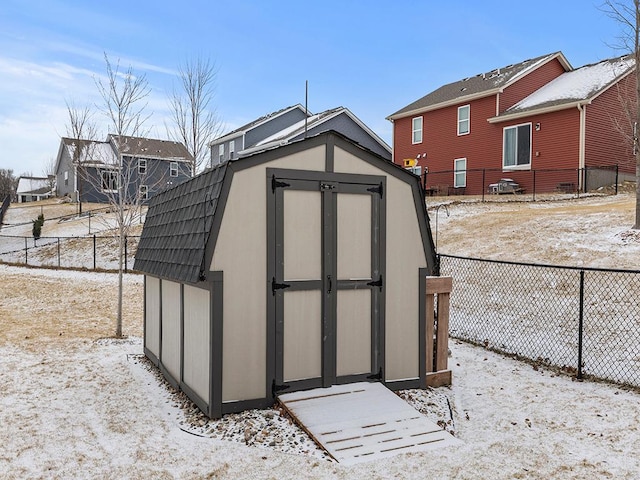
(94, 151)
(31, 184)
(580, 84)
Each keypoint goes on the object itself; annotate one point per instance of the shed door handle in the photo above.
(329, 284)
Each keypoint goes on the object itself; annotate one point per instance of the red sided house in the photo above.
(540, 123)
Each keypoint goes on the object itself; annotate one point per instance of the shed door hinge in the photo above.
(277, 184)
(376, 283)
(377, 190)
(277, 286)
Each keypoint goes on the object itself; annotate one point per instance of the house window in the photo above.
(517, 147)
(232, 149)
(109, 181)
(460, 172)
(66, 178)
(416, 130)
(221, 153)
(173, 169)
(144, 192)
(463, 120)
(142, 166)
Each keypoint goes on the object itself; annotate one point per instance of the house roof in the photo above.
(313, 122)
(150, 147)
(255, 123)
(478, 86)
(177, 227)
(578, 86)
(33, 185)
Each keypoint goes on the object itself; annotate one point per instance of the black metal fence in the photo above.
(585, 321)
(488, 182)
(88, 252)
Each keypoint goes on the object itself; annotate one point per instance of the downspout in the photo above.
(582, 140)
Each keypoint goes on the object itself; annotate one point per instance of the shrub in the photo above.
(37, 226)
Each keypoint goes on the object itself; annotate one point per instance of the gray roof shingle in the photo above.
(476, 85)
(177, 228)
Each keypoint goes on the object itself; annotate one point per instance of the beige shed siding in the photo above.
(196, 340)
(152, 315)
(241, 254)
(401, 283)
(171, 328)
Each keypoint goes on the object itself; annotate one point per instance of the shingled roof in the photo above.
(177, 228)
(577, 86)
(243, 129)
(150, 147)
(480, 85)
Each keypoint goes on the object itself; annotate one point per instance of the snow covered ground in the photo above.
(74, 404)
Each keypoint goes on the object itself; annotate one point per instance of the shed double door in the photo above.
(328, 282)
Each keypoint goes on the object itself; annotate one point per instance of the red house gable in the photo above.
(540, 114)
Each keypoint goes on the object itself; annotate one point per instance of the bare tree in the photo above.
(49, 171)
(627, 14)
(194, 120)
(8, 184)
(124, 97)
(83, 131)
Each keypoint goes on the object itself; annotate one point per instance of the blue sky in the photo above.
(373, 57)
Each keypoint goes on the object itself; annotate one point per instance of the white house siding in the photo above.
(197, 327)
(241, 254)
(152, 315)
(171, 328)
(404, 255)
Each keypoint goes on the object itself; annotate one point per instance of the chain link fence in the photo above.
(584, 321)
(523, 185)
(87, 252)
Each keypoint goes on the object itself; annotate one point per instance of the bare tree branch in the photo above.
(627, 14)
(124, 102)
(83, 130)
(194, 120)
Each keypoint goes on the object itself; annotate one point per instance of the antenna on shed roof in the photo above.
(306, 106)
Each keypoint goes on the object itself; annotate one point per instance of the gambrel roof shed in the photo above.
(297, 267)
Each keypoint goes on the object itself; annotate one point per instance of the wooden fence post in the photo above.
(437, 330)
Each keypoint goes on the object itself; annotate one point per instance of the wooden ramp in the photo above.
(363, 421)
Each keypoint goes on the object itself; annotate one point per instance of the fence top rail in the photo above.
(98, 237)
(542, 265)
(506, 173)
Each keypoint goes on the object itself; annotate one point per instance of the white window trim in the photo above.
(221, 153)
(173, 169)
(144, 192)
(457, 171)
(111, 172)
(509, 168)
(141, 162)
(414, 130)
(467, 120)
(232, 148)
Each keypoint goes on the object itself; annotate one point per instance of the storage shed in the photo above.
(299, 267)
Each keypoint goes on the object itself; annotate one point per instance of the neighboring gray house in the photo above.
(291, 124)
(89, 170)
(31, 189)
